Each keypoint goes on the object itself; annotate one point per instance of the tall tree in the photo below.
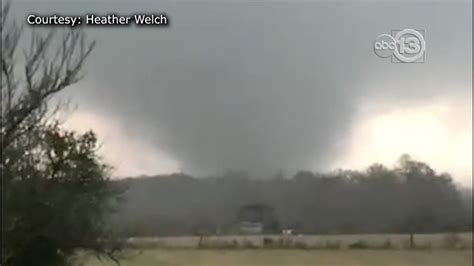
(55, 189)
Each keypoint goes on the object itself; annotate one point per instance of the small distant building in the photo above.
(251, 228)
(257, 219)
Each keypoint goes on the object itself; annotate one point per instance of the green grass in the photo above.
(259, 257)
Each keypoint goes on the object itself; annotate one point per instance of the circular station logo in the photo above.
(407, 46)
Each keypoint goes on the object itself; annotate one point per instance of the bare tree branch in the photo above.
(25, 94)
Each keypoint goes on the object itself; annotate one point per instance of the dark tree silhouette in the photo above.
(55, 190)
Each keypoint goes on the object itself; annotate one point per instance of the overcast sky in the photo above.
(263, 86)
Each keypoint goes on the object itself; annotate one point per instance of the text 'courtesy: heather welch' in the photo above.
(159, 19)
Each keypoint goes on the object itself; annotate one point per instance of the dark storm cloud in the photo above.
(263, 86)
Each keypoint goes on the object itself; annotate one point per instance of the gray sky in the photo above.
(262, 86)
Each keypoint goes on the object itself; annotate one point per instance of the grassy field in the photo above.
(314, 250)
(265, 257)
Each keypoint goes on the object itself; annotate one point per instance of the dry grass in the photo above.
(266, 257)
(347, 250)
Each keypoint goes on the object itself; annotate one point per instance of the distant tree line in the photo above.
(409, 198)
